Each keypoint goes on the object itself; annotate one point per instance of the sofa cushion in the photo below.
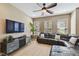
(65, 37)
(57, 37)
(48, 35)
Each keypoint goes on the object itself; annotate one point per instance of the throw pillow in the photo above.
(42, 36)
(57, 37)
(73, 40)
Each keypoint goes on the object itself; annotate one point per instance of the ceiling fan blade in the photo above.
(51, 5)
(37, 10)
(49, 11)
(39, 5)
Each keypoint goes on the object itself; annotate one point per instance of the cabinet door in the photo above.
(12, 46)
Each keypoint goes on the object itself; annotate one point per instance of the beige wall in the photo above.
(73, 23)
(8, 11)
(54, 19)
(77, 21)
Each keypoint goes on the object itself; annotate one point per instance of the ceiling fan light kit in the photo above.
(45, 9)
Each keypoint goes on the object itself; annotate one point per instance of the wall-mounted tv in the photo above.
(14, 26)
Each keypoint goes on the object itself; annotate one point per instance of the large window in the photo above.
(61, 27)
(37, 27)
(48, 26)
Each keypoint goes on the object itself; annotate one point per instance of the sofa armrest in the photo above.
(68, 44)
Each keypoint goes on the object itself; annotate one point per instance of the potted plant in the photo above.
(32, 29)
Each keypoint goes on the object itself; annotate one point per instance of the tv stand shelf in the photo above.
(16, 43)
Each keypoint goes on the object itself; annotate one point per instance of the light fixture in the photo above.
(44, 11)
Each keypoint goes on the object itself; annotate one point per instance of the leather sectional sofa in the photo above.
(50, 39)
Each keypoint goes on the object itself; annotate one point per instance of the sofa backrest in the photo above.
(48, 35)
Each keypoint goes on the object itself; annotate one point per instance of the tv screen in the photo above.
(9, 26)
(21, 27)
(14, 26)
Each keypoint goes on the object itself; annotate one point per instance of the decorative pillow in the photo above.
(73, 40)
(57, 37)
(42, 35)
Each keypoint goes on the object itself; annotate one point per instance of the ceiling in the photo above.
(61, 8)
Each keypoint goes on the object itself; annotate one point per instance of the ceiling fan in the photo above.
(45, 9)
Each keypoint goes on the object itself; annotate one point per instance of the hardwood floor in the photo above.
(33, 49)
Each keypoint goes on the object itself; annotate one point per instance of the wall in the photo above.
(73, 22)
(54, 20)
(8, 11)
(77, 21)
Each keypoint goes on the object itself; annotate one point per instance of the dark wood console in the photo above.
(22, 41)
(11, 44)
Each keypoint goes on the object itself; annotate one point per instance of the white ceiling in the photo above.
(61, 8)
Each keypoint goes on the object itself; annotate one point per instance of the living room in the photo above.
(35, 29)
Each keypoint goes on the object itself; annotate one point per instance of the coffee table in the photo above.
(63, 51)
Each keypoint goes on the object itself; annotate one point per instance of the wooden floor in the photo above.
(33, 49)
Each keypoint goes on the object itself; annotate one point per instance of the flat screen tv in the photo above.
(21, 26)
(14, 26)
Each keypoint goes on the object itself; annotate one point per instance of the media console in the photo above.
(9, 45)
